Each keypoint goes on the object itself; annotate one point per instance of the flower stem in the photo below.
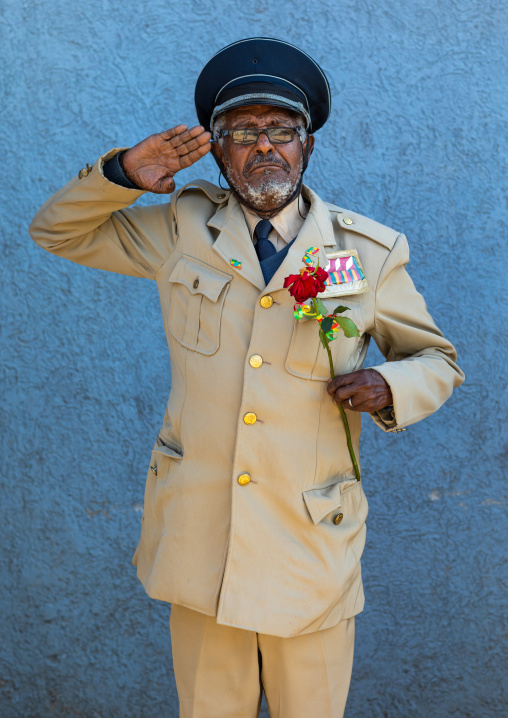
(326, 344)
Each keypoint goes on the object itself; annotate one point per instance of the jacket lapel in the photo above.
(234, 243)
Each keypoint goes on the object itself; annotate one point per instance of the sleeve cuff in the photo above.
(112, 170)
(386, 418)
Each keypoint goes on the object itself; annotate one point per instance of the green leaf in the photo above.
(348, 327)
(340, 309)
(321, 307)
(326, 324)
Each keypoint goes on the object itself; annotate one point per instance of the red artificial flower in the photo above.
(306, 285)
(321, 276)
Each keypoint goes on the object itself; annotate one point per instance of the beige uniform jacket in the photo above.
(266, 555)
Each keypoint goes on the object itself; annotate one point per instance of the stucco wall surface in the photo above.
(417, 140)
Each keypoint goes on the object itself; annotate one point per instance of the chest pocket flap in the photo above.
(197, 300)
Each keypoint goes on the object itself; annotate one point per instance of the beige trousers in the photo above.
(221, 671)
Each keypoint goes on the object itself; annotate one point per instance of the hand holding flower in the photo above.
(366, 388)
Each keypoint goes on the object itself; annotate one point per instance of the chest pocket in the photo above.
(196, 304)
(308, 359)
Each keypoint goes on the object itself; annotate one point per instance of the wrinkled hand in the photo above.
(366, 388)
(152, 163)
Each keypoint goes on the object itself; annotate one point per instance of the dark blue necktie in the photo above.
(264, 248)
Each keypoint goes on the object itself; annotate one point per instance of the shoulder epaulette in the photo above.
(214, 193)
(354, 222)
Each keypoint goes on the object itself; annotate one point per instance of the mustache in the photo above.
(261, 160)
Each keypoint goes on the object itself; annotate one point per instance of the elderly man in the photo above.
(254, 520)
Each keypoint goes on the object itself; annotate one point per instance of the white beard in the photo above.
(269, 194)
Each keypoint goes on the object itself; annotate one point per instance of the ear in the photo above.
(217, 151)
(310, 139)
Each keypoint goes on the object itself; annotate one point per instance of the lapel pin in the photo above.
(235, 263)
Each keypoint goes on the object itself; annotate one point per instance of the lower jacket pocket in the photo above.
(322, 501)
(161, 454)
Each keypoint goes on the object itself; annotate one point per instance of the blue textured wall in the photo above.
(417, 140)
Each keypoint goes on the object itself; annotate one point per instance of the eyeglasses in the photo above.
(250, 135)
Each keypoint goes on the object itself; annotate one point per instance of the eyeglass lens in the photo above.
(277, 135)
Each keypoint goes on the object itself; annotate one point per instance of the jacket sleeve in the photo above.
(421, 364)
(87, 222)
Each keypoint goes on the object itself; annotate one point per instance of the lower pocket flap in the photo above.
(320, 502)
(168, 452)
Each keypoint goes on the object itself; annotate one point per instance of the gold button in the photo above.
(347, 220)
(337, 519)
(255, 361)
(266, 301)
(244, 479)
(221, 196)
(154, 470)
(250, 418)
(195, 283)
(88, 167)
(83, 173)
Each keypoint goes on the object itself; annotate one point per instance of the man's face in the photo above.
(265, 174)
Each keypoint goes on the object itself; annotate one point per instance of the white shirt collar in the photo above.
(287, 223)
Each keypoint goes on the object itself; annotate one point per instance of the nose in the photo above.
(263, 145)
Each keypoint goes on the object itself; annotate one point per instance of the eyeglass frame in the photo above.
(260, 130)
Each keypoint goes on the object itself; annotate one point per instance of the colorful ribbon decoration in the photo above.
(333, 332)
(305, 311)
(343, 270)
(308, 256)
(302, 310)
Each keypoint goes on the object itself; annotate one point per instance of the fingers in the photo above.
(343, 390)
(173, 132)
(182, 140)
(184, 145)
(203, 140)
(355, 403)
(188, 159)
(341, 384)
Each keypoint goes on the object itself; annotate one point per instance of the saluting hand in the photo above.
(152, 163)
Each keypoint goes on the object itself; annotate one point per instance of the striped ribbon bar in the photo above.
(343, 270)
